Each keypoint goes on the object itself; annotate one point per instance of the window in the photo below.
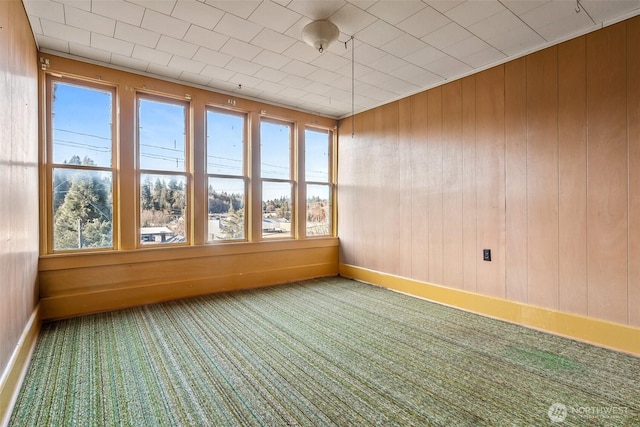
(135, 169)
(226, 174)
(80, 164)
(276, 157)
(162, 154)
(317, 147)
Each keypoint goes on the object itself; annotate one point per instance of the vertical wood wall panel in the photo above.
(542, 177)
(633, 100)
(405, 183)
(516, 179)
(388, 180)
(572, 170)
(469, 218)
(434, 170)
(19, 239)
(366, 197)
(607, 176)
(490, 179)
(347, 159)
(420, 189)
(452, 184)
(537, 160)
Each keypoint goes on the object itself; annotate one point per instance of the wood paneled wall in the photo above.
(537, 159)
(18, 178)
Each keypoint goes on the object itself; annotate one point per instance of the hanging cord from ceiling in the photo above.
(353, 80)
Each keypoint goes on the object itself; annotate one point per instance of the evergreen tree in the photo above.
(84, 218)
(232, 227)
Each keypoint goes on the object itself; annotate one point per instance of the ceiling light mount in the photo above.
(320, 34)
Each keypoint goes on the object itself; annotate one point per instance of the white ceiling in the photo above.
(401, 46)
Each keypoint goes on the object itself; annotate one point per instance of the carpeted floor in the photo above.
(318, 353)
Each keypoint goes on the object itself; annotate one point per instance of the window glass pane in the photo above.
(82, 209)
(225, 143)
(275, 150)
(318, 210)
(226, 209)
(162, 208)
(162, 135)
(81, 125)
(316, 155)
(276, 209)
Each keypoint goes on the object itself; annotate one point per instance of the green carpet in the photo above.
(318, 353)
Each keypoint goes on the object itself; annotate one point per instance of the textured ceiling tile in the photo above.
(296, 82)
(163, 6)
(466, 47)
(186, 64)
(425, 56)
(203, 37)
(159, 70)
(555, 18)
(240, 49)
(448, 67)
(82, 19)
(53, 44)
(416, 75)
(330, 61)
(49, 10)
(605, 10)
(34, 21)
(276, 42)
(270, 74)
(235, 27)
(404, 45)
(212, 57)
(351, 19)
(241, 66)
(446, 36)
(151, 55)
(128, 62)
(197, 13)
(78, 4)
(519, 7)
(302, 52)
(470, 12)
(242, 9)
(119, 10)
(387, 64)
(519, 39)
(136, 35)
(299, 68)
(271, 59)
(485, 57)
(396, 11)
(379, 33)
(443, 5)
(199, 79)
(90, 53)
(217, 73)
(110, 44)
(177, 47)
(316, 9)
(424, 22)
(60, 31)
(274, 16)
(497, 24)
(164, 24)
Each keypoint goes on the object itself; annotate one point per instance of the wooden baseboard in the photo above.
(69, 305)
(72, 285)
(602, 333)
(14, 373)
